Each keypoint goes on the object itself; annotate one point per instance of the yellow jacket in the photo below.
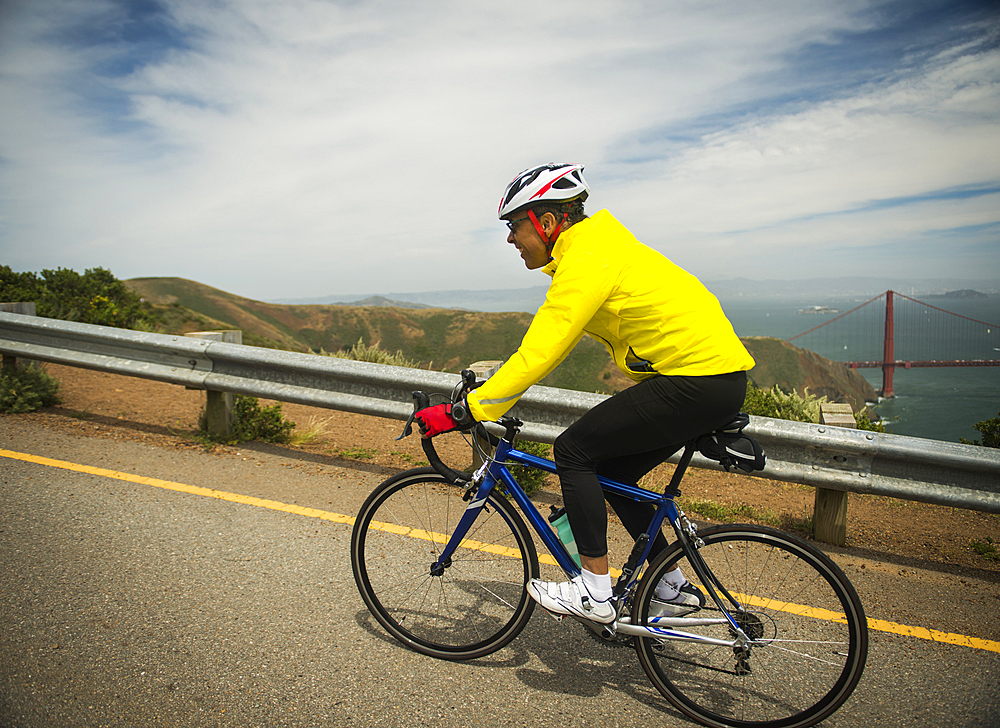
(653, 316)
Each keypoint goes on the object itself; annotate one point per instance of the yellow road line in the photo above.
(880, 625)
(181, 487)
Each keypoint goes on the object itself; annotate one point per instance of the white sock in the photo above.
(670, 584)
(598, 585)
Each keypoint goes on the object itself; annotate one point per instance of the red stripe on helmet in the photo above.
(549, 185)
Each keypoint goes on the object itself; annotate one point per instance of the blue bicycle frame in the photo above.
(496, 471)
(785, 647)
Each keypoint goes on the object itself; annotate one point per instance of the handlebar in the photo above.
(454, 477)
(421, 400)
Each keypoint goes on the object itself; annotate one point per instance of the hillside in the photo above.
(447, 340)
(789, 367)
(441, 339)
(186, 306)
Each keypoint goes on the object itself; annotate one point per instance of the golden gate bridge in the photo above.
(893, 331)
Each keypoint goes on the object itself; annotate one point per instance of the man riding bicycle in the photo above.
(663, 329)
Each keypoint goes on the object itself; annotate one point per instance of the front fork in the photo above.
(476, 495)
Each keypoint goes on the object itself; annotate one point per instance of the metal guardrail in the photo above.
(823, 456)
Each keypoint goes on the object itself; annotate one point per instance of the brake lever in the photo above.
(408, 427)
(466, 384)
(420, 401)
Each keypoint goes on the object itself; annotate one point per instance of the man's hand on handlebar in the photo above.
(443, 418)
(448, 417)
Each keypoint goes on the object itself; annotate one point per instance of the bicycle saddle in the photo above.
(731, 448)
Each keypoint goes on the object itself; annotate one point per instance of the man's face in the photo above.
(528, 242)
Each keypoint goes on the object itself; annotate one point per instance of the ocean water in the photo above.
(936, 403)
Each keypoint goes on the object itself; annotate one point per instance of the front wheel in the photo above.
(477, 603)
(808, 636)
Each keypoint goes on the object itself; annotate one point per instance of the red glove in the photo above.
(435, 420)
(442, 418)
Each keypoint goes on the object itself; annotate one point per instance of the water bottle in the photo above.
(560, 522)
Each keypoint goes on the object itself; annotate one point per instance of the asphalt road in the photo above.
(128, 604)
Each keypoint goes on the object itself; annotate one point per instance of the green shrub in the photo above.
(986, 549)
(531, 479)
(374, 355)
(775, 403)
(254, 422)
(863, 418)
(759, 402)
(358, 453)
(990, 430)
(95, 297)
(26, 389)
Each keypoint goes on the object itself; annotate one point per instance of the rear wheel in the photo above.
(808, 636)
(478, 604)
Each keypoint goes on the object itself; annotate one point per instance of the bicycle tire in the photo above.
(479, 604)
(808, 624)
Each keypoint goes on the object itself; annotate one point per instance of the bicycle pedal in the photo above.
(555, 616)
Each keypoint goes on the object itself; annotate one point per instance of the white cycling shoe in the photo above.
(688, 598)
(570, 598)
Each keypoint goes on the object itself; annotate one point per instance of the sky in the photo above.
(307, 148)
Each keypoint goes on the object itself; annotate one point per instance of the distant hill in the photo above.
(507, 299)
(963, 294)
(842, 287)
(380, 301)
(529, 299)
(448, 339)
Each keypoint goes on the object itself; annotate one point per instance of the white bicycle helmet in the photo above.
(545, 183)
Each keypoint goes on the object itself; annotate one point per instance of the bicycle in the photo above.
(441, 559)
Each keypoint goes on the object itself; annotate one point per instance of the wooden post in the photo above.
(484, 370)
(830, 508)
(25, 308)
(219, 405)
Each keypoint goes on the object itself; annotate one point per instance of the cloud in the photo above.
(883, 165)
(306, 148)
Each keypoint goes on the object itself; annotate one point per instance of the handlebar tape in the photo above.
(452, 476)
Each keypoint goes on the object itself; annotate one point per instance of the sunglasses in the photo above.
(510, 223)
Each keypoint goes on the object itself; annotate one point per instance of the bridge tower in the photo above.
(943, 330)
(888, 349)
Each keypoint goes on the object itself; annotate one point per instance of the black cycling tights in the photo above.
(626, 436)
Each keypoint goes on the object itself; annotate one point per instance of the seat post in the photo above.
(673, 488)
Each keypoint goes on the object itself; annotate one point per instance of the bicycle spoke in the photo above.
(468, 605)
(806, 630)
(808, 657)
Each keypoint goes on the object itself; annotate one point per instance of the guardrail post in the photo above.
(219, 405)
(830, 507)
(483, 370)
(25, 308)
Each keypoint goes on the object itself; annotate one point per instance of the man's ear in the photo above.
(548, 222)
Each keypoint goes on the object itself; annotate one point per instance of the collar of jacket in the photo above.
(566, 238)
